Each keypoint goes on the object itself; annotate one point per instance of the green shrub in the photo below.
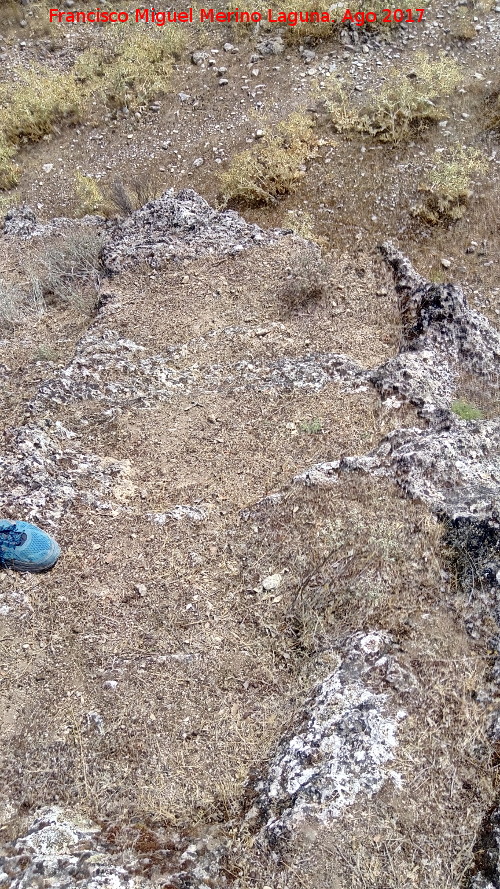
(312, 427)
(466, 411)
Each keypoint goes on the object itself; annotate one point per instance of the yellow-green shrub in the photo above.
(28, 111)
(88, 194)
(30, 107)
(404, 104)
(131, 71)
(448, 188)
(271, 168)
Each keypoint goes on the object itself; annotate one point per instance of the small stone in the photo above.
(110, 684)
(198, 162)
(47, 168)
(141, 589)
(223, 81)
(184, 97)
(259, 134)
(229, 47)
(272, 582)
(446, 263)
(255, 72)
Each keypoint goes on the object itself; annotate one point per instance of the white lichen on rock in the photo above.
(179, 226)
(337, 752)
(61, 851)
(41, 477)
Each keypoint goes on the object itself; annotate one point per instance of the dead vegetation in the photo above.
(17, 306)
(306, 279)
(115, 197)
(69, 269)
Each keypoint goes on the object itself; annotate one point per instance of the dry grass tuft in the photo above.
(140, 190)
(89, 196)
(69, 267)
(30, 110)
(117, 197)
(274, 166)
(307, 278)
(17, 306)
(462, 25)
(493, 105)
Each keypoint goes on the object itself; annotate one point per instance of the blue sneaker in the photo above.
(25, 547)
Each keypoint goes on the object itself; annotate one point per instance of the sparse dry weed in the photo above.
(67, 268)
(306, 279)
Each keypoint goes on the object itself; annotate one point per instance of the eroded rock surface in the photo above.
(338, 751)
(181, 226)
(441, 336)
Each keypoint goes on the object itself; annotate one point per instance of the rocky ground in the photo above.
(268, 656)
